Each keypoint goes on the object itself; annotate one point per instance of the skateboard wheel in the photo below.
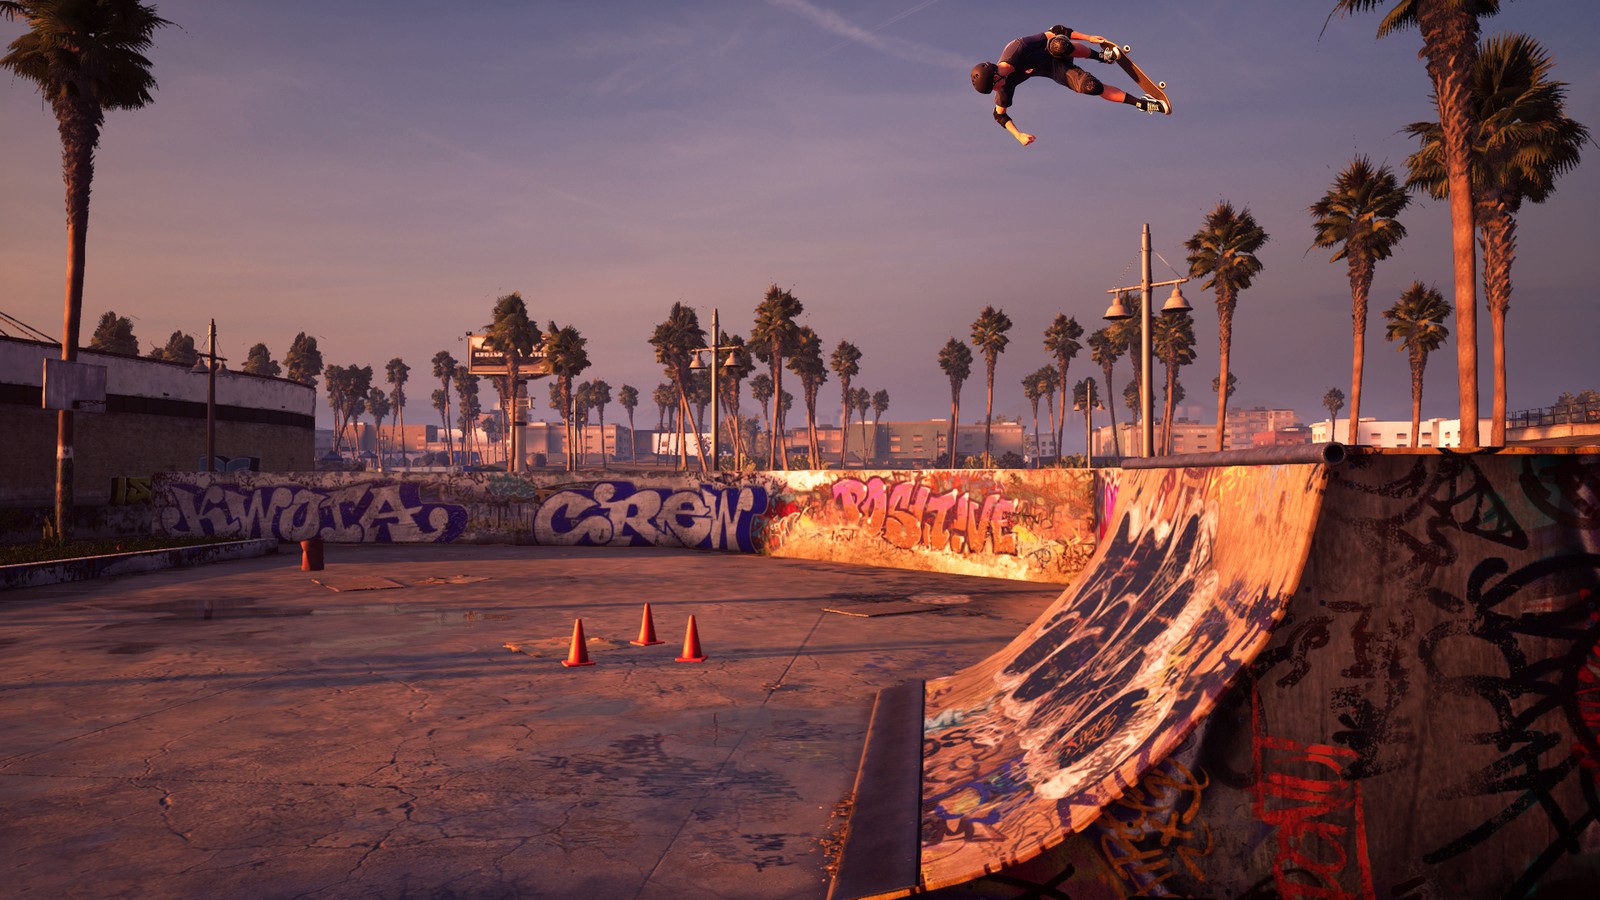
(1162, 85)
(1127, 48)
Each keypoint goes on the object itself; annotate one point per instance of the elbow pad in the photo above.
(1059, 29)
(1002, 119)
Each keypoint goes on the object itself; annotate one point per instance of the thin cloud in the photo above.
(899, 48)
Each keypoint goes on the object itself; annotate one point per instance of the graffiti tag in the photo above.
(369, 512)
(617, 514)
(908, 515)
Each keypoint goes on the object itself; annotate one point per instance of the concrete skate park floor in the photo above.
(238, 730)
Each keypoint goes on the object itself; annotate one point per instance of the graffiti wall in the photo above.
(1031, 525)
(1032, 743)
(1421, 724)
(1028, 525)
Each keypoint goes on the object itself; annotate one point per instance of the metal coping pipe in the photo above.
(1331, 454)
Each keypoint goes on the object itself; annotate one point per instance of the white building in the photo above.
(1373, 433)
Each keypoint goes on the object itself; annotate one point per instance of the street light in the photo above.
(696, 363)
(210, 363)
(1117, 312)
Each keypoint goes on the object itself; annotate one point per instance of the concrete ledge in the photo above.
(86, 567)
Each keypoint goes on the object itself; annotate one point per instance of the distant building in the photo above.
(153, 420)
(1190, 436)
(1374, 433)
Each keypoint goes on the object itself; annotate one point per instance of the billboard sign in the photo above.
(482, 360)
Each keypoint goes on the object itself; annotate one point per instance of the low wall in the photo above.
(1030, 525)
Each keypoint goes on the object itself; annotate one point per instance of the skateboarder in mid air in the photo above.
(1051, 54)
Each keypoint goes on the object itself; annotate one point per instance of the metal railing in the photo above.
(1564, 414)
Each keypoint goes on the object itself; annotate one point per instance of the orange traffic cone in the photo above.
(647, 631)
(579, 654)
(691, 645)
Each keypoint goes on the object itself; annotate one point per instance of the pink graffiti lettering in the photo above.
(909, 515)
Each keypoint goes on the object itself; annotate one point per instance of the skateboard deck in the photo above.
(1156, 89)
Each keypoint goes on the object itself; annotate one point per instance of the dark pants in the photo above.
(1068, 75)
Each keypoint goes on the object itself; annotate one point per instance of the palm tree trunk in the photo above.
(955, 413)
(1166, 410)
(1361, 272)
(844, 423)
(1417, 362)
(1225, 304)
(1497, 233)
(1036, 434)
(1116, 441)
(1450, 41)
(1061, 423)
(988, 407)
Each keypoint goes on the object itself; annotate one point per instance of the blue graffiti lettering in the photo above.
(617, 514)
(369, 512)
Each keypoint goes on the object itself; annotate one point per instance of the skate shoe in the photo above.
(1151, 105)
(1109, 54)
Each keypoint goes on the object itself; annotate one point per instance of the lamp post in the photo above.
(209, 363)
(696, 363)
(1117, 312)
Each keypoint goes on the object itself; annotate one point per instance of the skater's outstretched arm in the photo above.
(1000, 114)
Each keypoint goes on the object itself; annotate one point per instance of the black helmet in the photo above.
(983, 77)
(1059, 46)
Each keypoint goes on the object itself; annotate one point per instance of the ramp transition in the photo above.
(1254, 691)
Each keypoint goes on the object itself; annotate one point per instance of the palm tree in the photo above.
(1224, 248)
(1172, 341)
(1104, 348)
(1033, 387)
(733, 375)
(513, 335)
(1450, 47)
(880, 405)
(628, 396)
(956, 361)
(466, 385)
(1333, 400)
(1357, 215)
(1061, 339)
(1522, 142)
(1051, 382)
(1085, 397)
(665, 397)
(675, 339)
(861, 400)
(989, 336)
(1416, 320)
(85, 58)
(444, 369)
(114, 334)
(599, 396)
(397, 373)
(807, 365)
(761, 392)
(564, 350)
(771, 339)
(378, 405)
(846, 363)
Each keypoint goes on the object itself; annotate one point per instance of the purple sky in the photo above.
(376, 174)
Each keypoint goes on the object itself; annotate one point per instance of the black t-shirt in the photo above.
(1028, 56)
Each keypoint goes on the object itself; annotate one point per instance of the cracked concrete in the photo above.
(238, 730)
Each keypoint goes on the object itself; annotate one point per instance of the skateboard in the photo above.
(1156, 89)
